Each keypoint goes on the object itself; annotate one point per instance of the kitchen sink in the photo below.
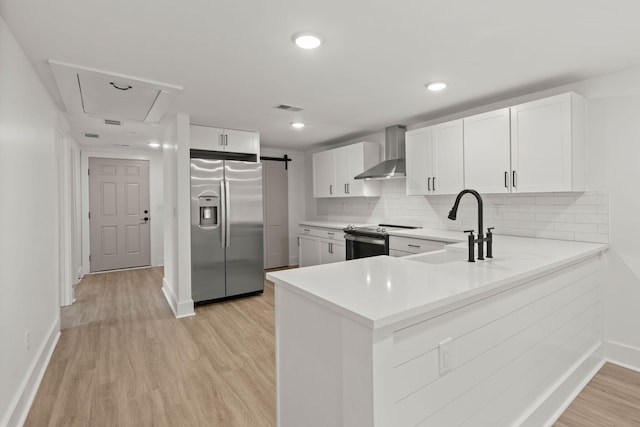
(438, 257)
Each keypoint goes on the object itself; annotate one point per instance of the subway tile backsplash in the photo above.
(564, 216)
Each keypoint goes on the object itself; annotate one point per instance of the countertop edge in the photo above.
(322, 301)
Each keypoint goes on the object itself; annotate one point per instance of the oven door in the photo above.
(365, 246)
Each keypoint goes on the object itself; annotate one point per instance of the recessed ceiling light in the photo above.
(154, 144)
(307, 40)
(297, 125)
(436, 86)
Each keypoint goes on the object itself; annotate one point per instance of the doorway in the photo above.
(276, 218)
(119, 216)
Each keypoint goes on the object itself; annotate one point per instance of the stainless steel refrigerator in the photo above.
(226, 228)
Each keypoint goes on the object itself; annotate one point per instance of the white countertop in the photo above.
(431, 234)
(331, 224)
(381, 291)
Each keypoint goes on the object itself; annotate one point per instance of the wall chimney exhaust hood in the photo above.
(394, 163)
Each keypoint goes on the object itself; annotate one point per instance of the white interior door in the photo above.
(119, 213)
(276, 218)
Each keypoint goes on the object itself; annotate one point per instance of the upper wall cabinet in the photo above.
(216, 139)
(548, 144)
(487, 152)
(434, 157)
(333, 171)
(539, 146)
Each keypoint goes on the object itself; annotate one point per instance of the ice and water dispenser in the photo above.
(209, 211)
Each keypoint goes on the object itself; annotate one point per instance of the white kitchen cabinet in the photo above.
(320, 246)
(447, 158)
(419, 170)
(332, 251)
(548, 148)
(309, 251)
(334, 171)
(226, 140)
(324, 174)
(434, 157)
(487, 156)
(538, 146)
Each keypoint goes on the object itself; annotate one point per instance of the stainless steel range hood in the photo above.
(394, 163)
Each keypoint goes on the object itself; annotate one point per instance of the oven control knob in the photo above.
(383, 230)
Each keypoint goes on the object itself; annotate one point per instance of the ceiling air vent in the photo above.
(112, 122)
(92, 135)
(286, 107)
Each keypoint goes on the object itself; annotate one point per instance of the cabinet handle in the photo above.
(345, 189)
(348, 189)
(429, 184)
(306, 229)
(226, 140)
(513, 180)
(413, 246)
(434, 183)
(221, 140)
(506, 178)
(330, 248)
(298, 241)
(330, 188)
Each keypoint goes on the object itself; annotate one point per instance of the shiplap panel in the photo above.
(426, 401)
(424, 369)
(482, 404)
(422, 337)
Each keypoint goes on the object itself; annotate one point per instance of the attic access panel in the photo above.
(106, 94)
(109, 96)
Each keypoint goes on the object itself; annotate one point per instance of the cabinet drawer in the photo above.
(414, 246)
(396, 253)
(325, 233)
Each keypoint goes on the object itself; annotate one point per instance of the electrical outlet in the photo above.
(444, 353)
(28, 340)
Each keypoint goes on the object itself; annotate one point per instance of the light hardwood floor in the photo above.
(124, 360)
(612, 398)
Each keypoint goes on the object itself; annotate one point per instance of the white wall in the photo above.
(296, 194)
(29, 271)
(619, 117)
(156, 198)
(176, 284)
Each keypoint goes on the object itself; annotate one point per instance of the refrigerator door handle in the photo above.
(223, 214)
(227, 207)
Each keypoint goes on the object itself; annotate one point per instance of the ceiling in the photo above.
(235, 59)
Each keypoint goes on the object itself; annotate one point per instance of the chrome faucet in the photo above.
(481, 237)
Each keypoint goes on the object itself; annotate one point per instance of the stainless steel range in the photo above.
(365, 242)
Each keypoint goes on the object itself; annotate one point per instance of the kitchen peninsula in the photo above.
(433, 340)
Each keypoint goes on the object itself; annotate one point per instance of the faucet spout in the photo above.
(453, 213)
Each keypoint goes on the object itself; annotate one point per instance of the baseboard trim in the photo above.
(180, 309)
(19, 409)
(623, 355)
(565, 390)
(569, 386)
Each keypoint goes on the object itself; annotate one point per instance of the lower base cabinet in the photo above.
(309, 251)
(320, 246)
